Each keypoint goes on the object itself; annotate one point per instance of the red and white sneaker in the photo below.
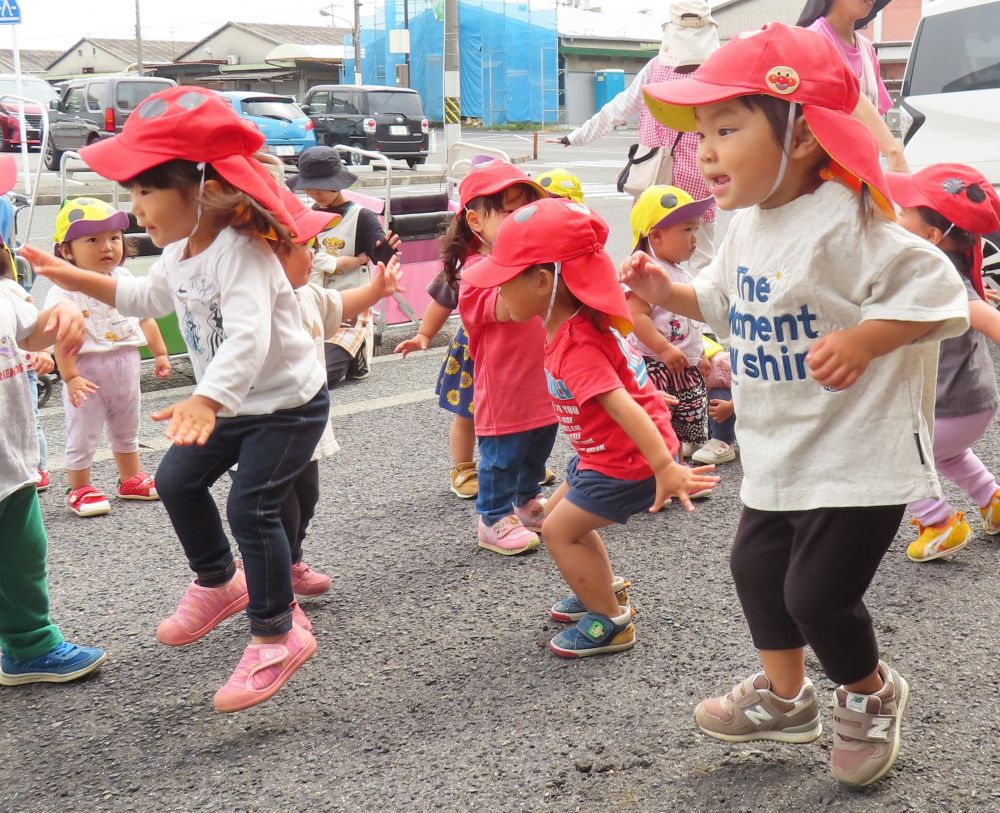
(140, 487)
(44, 482)
(531, 514)
(88, 501)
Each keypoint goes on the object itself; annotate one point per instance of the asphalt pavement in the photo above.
(432, 688)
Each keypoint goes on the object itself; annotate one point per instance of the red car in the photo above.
(33, 88)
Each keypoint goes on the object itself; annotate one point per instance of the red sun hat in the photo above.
(959, 194)
(308, 222)
(553, 230)
(789, 63)
(194, 124)
(493, 176)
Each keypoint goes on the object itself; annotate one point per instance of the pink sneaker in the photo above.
(140, 487)
(309, 582)
(87, 501)
(263, 670)
(202, 609)
(532, 513)
(507, 537)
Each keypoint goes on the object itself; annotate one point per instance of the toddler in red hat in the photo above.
(549, 263)
(513, 423)
(260, 400)
(951, 205)
(833, 314)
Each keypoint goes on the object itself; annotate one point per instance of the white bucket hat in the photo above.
(690, 35)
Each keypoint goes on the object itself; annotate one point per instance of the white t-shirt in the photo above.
(322, 312)
(107, 329)
(784, 277)
(239, 319)
(681, 332)
(19, 449)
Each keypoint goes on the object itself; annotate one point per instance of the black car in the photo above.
(379, 119)
(88, 110)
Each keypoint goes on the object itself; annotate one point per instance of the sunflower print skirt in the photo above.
(454, 385)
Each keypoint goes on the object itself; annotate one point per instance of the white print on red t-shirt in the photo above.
(567, 410)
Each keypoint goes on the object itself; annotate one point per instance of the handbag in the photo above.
(646, 167)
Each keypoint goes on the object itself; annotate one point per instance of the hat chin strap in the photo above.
(783, 166)
(552, 296)
(201, 191)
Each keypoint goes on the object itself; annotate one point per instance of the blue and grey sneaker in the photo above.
(594, 634)
(572, 609)
(64, 663)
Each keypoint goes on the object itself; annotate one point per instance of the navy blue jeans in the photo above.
(272, 450)
(725, 431)
(510, 468)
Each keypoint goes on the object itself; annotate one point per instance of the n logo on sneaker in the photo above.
(879, 729)
(758, 715)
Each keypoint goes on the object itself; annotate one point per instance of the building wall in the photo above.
(87, 58)
(250, 48)
(752, 14)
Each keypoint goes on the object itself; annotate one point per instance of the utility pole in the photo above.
(452, 76)
(357, 42)
(138, 39)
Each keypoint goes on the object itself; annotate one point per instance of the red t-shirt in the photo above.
(582, 362)
(509, 391)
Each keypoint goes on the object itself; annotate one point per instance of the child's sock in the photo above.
(623, 619)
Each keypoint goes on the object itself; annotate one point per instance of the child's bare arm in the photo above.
(985, 319)
(157, 347)
(434, 318)
(650, 281)
(385, 282)
(672, 479)
(838, 359)
(70, 278)
(62, 324)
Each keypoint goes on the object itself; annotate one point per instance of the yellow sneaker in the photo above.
(465, 481)
(991, 516)
(936, 541)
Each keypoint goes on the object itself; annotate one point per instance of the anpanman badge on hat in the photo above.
(782, 79)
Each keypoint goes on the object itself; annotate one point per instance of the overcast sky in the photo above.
(57, 24)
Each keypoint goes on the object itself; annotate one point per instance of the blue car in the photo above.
(287, 129)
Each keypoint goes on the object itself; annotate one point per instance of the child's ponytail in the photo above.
(458, 242)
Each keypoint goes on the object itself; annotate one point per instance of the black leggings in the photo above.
(802, 575)
(298, 508)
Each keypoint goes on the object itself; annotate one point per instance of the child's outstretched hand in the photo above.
(676, 480)
(838, 359)
(62, 273)
(646, 277)
(391, 239)
(407, 346)
(42, 362)
(386, 278)
(162, 367)
(65, 325)
(79, 388)
(191, 420)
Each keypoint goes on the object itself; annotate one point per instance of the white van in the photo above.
(950, 108)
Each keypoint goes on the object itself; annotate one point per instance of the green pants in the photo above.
(25, 629)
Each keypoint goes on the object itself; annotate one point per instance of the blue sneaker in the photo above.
(64, 663)
(572, 609)
(594, 634)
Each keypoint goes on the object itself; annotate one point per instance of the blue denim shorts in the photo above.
(608, 497)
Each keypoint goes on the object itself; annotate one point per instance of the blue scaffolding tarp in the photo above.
(508, 52)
